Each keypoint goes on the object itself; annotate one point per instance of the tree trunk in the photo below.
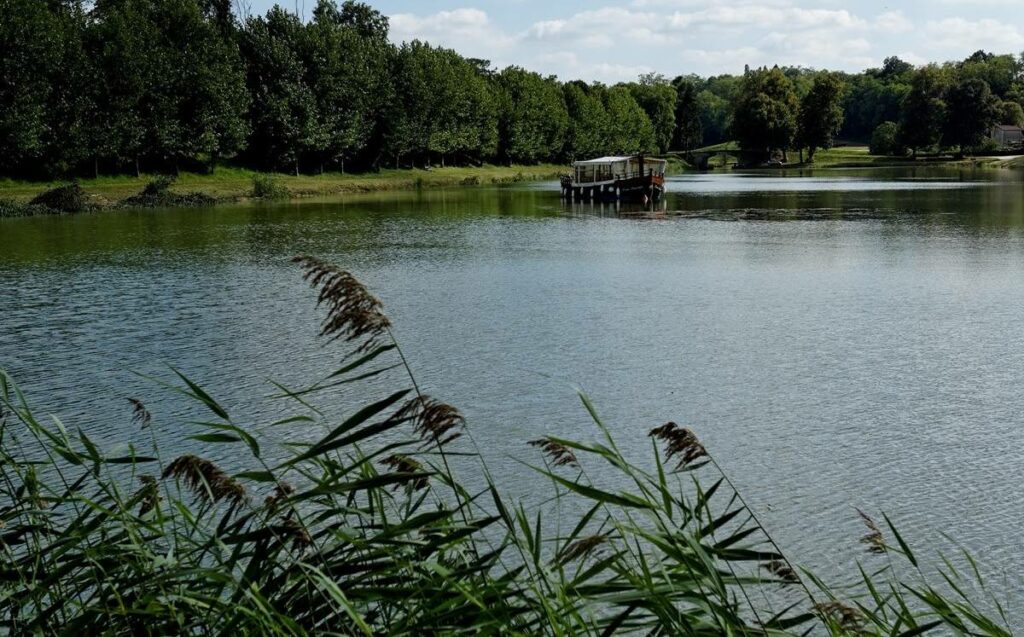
(296, 167)
(138, 173)
(801, 155)
(95, 167)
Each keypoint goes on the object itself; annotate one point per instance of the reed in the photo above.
(368, 529)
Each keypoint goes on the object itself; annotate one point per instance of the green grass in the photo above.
(237, 183)
(357, 523)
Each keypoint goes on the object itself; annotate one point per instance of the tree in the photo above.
(443, 106)
(533, 119)
(1009, 113)
(885, 140)
(587, 133)
(284, 116)
(629, 129)
(764, 115)
(689, 133)
(923, 110)
(47, 88)
(345, 70)
(657, 98)
(970, 115)
(820, 114)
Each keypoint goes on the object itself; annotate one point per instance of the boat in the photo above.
(619, 178)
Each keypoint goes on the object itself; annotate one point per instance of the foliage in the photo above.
(820, 115)
(360, 523)
(589, 124)
(764, 114)
(971, 113)
(689, 132)
(1009, 113)
(533, 118)
(629, 129)
(266, 187)
(923, 110)
(657, 97)
(115, 86)
(158, 194)
(885, 140)
(68, 198)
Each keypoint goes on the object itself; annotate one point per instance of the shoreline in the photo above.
(233, 185)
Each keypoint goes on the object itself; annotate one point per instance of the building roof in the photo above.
(1009, 128)
(614, 159)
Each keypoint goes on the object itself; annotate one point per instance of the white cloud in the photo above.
(612, 42)
(962, 36)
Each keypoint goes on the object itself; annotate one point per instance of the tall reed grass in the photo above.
(370, 531)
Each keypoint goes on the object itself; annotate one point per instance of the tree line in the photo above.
(113, 86)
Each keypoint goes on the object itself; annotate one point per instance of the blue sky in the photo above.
(613, 41)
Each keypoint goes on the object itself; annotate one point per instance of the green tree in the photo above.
(443, 106)
(346, 70)
(657, 98)
(764, 115)
(923, 110)
(1009, 113)
(689, 132)
(715, 117)
(533, 119)
(629, 129)
(970, 115)
(284, 116)
(885, 140)
(47, 88)
(587, 134)
(821, 114)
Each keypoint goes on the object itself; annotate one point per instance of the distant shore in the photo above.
(227, 185)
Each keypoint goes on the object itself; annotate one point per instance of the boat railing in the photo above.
(602, 176)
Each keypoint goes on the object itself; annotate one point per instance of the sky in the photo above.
(615, 41)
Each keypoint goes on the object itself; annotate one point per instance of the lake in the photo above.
(871, 357)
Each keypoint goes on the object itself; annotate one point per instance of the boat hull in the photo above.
(645, 188)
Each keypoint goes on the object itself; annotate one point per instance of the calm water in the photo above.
(828, 364)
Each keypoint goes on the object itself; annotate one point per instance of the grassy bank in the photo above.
(236, 183)
(858, 156)
(358, 523)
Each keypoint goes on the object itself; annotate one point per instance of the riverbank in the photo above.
(235, 184)
(858, 156)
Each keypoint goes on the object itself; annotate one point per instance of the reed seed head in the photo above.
(782, 570)
(582, 548)
(206, 480)
(140, 415)
(559, 454)
(874, 538)
(680, 444)
(846, 617)
(404, 464)
(352, 312)
(282, 491)
(149, 494)
(432, 419)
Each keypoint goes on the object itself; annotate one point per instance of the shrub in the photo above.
(266, 187)
(885, 140)
(69, 198)
(158, 194)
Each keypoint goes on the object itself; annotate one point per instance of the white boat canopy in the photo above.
(612, 168)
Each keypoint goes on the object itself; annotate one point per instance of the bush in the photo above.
(357, 523)
(69, 198)
(885, 140)
(157, 194)
(10, 208)
(266, 187)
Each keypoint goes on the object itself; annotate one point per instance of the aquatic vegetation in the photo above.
(360, 524)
